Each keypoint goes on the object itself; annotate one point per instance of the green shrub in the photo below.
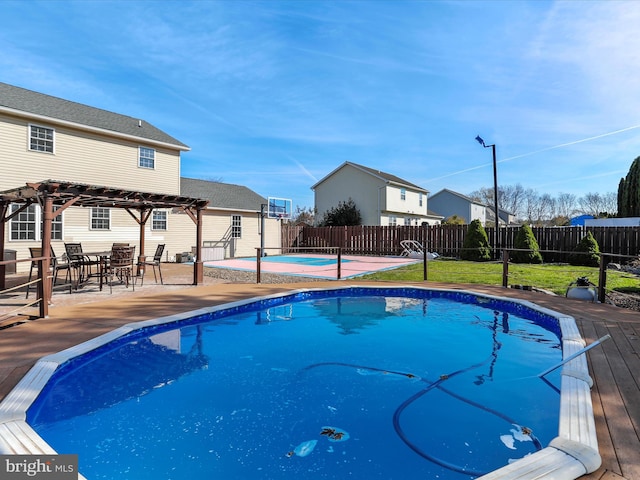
(586, 253)
(525, 240)
(476, 243)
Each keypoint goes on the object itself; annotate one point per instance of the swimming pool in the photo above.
(308, 408)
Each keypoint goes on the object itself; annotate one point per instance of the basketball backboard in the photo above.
(279, 208)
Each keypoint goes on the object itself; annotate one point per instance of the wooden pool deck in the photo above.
(614, 366)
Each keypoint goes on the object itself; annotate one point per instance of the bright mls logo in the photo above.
(50, 467)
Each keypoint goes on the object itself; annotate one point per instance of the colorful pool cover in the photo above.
(315, 265)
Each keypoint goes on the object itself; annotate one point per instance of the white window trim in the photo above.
(38, 233)
(53, 140)
(140, 147)
(91, 228)
(166, 220)
(234, 226)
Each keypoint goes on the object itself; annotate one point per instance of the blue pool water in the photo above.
(407, 384)
(298, 260)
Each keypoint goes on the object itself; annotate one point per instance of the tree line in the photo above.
(534, 208)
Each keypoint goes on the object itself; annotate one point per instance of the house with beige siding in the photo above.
(382, 198)
(49, 138)
(232, 224)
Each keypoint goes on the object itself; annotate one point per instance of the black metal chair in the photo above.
(58, 264)
(157, 259)
(79, 262)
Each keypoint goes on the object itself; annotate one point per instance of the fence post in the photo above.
(258, 257)
(339, 263)
(424, 261)
(505, 268)
(602, 279)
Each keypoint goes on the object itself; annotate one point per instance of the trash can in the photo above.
(10, 255)
(178, 257)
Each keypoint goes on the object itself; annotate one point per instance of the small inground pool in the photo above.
(359, 382)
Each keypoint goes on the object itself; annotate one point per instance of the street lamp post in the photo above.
(495, 196)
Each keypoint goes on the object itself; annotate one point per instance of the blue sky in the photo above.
(275, 95)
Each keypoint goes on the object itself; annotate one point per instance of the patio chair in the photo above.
(157, 258)
(121, 265)
(79, 262)
(58, 264)
(34, 252)
(414, 249)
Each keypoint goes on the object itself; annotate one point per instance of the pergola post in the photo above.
(198, 266)
(45, 279)
(4, 207)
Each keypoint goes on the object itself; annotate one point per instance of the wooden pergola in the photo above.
(62, 194)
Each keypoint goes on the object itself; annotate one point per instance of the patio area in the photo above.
(77, 317)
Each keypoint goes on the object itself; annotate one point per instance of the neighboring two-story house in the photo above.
(382, 198)
(49, 138)
(449, 203)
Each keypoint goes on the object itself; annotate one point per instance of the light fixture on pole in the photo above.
(495, 195)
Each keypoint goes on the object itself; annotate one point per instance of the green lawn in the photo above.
(552, 277)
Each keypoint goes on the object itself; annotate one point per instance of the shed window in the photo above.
(41, 139)
(236, 226)
(100, 218)
(146, 157)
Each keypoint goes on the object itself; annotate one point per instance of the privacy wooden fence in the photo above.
(448, 240)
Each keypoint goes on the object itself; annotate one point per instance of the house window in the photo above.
(393, 221)
(24, 226)
(420, 199)
(159, 220)
(100, 218)
(41, 139)
(236, 226)
(56, 226)
(146, 157)
(407, 222)
(403, 194)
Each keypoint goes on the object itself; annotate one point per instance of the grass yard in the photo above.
(552, 277)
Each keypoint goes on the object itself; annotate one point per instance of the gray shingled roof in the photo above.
(387, 176)
(378, 173)
(55, 108)
(222, 195)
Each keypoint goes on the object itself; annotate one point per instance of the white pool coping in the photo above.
(573, 453)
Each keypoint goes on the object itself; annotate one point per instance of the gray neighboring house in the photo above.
(231, 223)
(448, 203)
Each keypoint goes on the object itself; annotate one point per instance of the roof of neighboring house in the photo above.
(222, 195)
(387, 177)
(464, 197)
(45, 108)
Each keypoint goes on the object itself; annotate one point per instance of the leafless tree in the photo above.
(592, 203)
(566, 205)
